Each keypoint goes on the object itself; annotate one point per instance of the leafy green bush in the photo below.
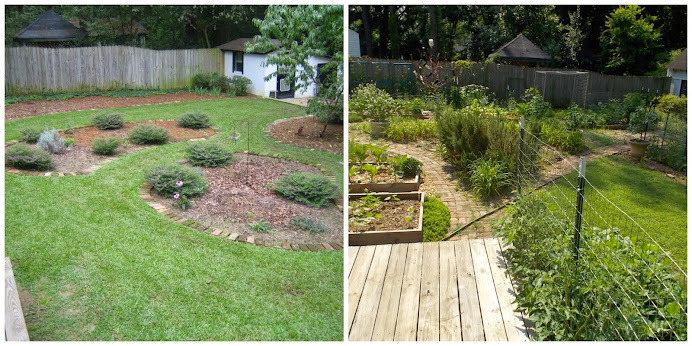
(533, 106)
(643, 120)
(673, 154)
(308, 224)
(52, 142)
(238, 86)
(261, 226)
(108, 121)
(177, 182)
(436, 219)
(405, 129)
(23, 156)
(578, 118)
(406, 167)
(30, 135)
(194, 120)
(148, 134)
(357, 153)
(220, 83)
(464, 96)
(616, 290)
(673, 104)
(314, 190)
(558, 136)
(105, 146)
(207, 154)
(371, 102)
(489, 177)
(202, 80)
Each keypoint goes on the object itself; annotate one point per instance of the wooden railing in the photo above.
(15, 327)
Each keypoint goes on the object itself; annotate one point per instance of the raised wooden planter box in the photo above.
(395, 186)
(390, 236)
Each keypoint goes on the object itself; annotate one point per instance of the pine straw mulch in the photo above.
(237, 195)
(305, 132)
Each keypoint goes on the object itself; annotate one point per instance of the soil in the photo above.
(42, 107)
(237, 195)
(680, 177)
(384, 175)
(393, 217)
(81, 158)
(290, 132)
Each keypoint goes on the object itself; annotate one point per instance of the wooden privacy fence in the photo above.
(34, 69)
(558, 86)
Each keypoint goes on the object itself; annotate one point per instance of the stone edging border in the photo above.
(144, 192)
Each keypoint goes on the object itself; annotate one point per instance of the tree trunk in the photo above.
(394, 39)
(432, 10)
(369, 50)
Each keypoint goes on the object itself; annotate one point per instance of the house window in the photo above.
(238, 62)
(683, 87)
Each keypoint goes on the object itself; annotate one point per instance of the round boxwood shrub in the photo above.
(108, 121)
(148, 134)
(314, 190)
(194, 121)
(208, 155)
(105, 146)
(169, 180)
(436, 219)
(23, 156)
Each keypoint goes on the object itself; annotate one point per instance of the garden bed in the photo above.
(384, 181)
(391, 225)
(238, 196)
(80, 158)
(305, 132)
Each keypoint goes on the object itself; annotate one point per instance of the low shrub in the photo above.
(371, 102)
(558, 136)
(108, 121)
(533, 106)
(314, 190)
(177, 182)
(406, 129)
(52, 142)
(148, 134)
(673, 154)
(194, 120)
(105, 146)
(30, 135)
(208, 154)
(578, 118)
(308, 224)
(436, 219)
(69, 142)
(489, 178)
(202, 80)
(261, 226)
(406, 167)
(238, 86)
(23, 156)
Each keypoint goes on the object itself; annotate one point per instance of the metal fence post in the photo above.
(580, 207)
(665, 129)
(521, 149)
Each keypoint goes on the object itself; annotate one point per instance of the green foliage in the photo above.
(578, 118)
(362, 210)
(23, 156)
(308, 224)
(30, 135)
(436, 219)
(643, 120)
(172, 180)
(379, 152)
(194, 120)
(52, 142)
(238, 85)
(371, 102)
(533, 106)
(69, 142)
(630, 42)
(202, 80)
(371, 170)
(148, 134)
(314, 190)
(556, 135)
(489, 177)
(405, 129)
(105, 146)
(207, 154)
(357, 153)
(465, 96)
(261, 226)
(616, 290)
(414, 105)
(51, 96)
(406, 167)
(108, 121)
(672, 104)
(673, 154)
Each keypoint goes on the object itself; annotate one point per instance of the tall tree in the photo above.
(394, 39)
(367, 31)
(630, 42)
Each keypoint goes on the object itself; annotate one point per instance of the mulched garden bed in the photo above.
(288, 131)
(237, 195)
(42, 107)
(393, 217)
(81, 158)
(384, 175)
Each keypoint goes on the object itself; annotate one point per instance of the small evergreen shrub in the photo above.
(105, 146)
(177, 182)
(69, 142)
(30, 135)
(238, 86)
(314, 190)
(308, 224)
(406, 167)
(208, 155)
(194, 120)
(202, 80)
(52, 142)
(436, 219)
(23, 156)
(108, 121)
(148, 134)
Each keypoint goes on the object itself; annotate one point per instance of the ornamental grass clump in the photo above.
(110, 121)
(177, 182)
(209, 155)
(314, 190)
(23, 156)
(148, 134)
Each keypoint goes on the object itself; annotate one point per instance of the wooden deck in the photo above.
(446, 291)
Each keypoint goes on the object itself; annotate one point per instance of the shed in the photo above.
(521, 51)
(49, 29)
(254, 67)
(353, 44)
(677, 70)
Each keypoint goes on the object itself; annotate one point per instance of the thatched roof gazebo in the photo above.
(521, 51)
(50, 29)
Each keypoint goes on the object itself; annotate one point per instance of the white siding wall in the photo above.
(252, 69)
(676, 77)
(353, 44)
(310, 91)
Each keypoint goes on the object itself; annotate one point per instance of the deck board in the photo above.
(447, 291)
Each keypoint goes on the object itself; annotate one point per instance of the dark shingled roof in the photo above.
(239, 45)
(521, 49)
(50, 26)
(680, 62)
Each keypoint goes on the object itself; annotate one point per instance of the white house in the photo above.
(677, 70)
(353, 44)
(251, 65)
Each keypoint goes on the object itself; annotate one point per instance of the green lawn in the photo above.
(654, 201)
(96, 263)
